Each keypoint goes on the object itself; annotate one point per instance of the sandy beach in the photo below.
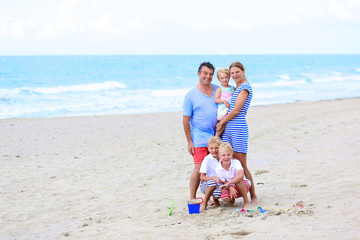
(113, 177)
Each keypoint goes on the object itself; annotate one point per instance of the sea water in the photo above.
(57, 86)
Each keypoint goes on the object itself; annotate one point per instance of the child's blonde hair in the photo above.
(214, 139)
(223, 70)
(226, 147)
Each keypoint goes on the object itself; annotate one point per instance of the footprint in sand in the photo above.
(298, 185)
(241, 233)
(261, 172)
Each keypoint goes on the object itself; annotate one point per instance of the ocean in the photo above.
(59, 86)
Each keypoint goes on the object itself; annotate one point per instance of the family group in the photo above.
(214, 120)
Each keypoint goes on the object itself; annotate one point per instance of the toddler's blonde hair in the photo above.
(223, 70)
(226, 147)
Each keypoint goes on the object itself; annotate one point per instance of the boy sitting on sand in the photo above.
(231, 173)
(209, 182)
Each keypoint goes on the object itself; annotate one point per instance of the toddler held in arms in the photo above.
(231, 173)
(223, 94)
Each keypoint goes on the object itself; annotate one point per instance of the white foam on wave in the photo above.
(337, 78)
(280, 83)
(91, 87)
(169, 93)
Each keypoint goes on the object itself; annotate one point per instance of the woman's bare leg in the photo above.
(242, 158)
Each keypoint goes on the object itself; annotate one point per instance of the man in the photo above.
(199, 120)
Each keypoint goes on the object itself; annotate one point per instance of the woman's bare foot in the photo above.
(247, 205)
(254, 200)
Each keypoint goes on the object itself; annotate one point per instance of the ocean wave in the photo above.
(336, 78)
(99, 103)
(91, 87)
(280, 83)
(169, 93)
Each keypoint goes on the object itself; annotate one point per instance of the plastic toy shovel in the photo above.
(171, 208)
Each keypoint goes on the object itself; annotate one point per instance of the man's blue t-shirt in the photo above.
(203, 111)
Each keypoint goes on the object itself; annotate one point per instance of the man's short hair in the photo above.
(206, 64)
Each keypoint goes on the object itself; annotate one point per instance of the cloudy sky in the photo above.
(41, 27)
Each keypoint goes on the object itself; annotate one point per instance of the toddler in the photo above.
(223, 94)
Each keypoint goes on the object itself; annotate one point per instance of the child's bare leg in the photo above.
(242, 189)
(207, 196)
(216, 201)
(231, 203)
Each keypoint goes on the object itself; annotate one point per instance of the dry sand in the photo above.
(113, 177)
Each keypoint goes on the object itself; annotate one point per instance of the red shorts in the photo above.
(199, 154)
(226, 193)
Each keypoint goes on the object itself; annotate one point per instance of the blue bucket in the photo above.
(194, 206)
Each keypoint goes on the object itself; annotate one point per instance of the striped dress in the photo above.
(236, 130)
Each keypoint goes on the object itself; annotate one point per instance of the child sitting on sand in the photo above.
(231, 173)
(223, 94)
(209, 182)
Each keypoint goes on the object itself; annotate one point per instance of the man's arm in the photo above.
(187, 130)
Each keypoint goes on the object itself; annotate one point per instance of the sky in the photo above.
(87, 27)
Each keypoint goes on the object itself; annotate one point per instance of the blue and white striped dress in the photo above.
(236, 131)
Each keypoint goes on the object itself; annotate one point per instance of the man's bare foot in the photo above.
(254, 200)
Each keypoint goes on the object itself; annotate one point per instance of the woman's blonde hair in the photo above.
(226, 147)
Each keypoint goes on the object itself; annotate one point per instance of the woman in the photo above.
(236, 129)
